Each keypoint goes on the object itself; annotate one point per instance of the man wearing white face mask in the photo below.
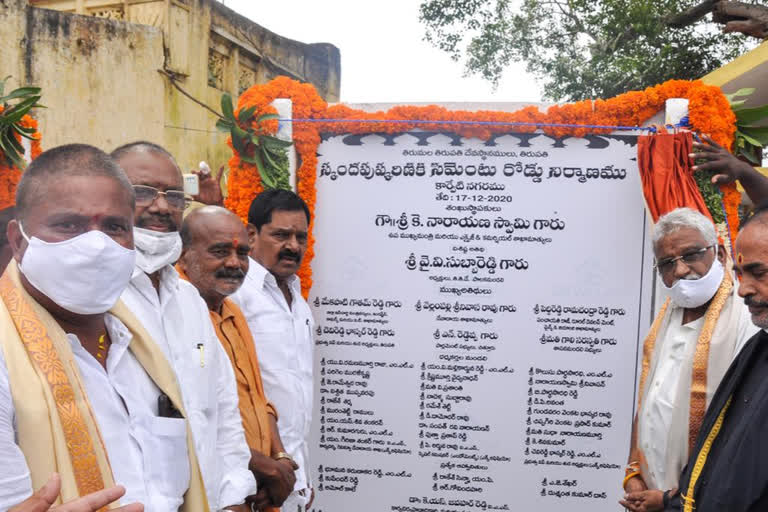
(177, 317)
(81, 381)
(696, 335)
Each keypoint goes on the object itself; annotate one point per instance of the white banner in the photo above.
(479, 309)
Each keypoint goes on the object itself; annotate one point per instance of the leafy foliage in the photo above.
(578, 49)
(15, 105)
(750, 138)
(268, 153)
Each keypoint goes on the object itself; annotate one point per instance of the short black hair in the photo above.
(67, 161)
(141, 145)
(264, 204)
(759, 211)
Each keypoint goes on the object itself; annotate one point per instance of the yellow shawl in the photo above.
(57, 430)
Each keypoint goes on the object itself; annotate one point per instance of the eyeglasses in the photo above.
(689, 258)
(146, 195)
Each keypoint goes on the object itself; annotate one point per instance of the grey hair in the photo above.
(680, 218)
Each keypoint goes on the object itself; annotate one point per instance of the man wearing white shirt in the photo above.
(82, 384)
(281, 323)
(698, 332)
(174, 313)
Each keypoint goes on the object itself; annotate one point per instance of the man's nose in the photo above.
(680, 270)
(232, 260)
(745, 287)
(159, 205)
(292, 243)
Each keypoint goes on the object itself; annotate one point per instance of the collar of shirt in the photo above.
(264, 278)
(225, 313)
(119, 336)
(169, 284)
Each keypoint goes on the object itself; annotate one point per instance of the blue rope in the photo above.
(651, 129)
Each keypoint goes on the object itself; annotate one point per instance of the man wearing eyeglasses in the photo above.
(177, 318)
(697, 333)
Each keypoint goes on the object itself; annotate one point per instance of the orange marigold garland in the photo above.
(244, 180)
(709, 113)
(11, 175)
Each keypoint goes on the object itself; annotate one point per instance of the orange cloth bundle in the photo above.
(666, 173)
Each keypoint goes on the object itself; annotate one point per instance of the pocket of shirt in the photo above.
(166, 458)
(197, 388)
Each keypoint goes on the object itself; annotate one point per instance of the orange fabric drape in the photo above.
(666, 173)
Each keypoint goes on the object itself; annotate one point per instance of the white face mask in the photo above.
(692, 293)
(85, 274)
(156, 249)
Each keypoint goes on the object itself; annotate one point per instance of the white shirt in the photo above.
(284, 343)
(179, 321)
(147, 454)
(662, 392)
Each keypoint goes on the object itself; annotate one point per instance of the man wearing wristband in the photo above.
(697, 333)
(214, 258)
(667, 409)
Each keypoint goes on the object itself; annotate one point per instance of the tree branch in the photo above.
(172, 78)
(692, 15)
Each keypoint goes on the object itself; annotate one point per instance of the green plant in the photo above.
(15, 106)
(268, 153)
(749, 138)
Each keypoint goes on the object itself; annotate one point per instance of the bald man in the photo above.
(214, 259)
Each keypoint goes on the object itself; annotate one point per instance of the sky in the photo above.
(383, 55)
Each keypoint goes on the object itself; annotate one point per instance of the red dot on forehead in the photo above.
(235, 242)
(740, 259)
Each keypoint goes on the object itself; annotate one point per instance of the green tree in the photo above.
(581, 49)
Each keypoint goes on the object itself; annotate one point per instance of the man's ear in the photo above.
(182, 262)
(721, 254)
(16, 240)
(253, 236)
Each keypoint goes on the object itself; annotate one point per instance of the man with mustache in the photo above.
(173, 312)
(214, 258)
(697, 333)
(281, 323)
(727, 469)
(81, 381)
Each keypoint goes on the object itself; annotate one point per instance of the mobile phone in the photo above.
(191, 184)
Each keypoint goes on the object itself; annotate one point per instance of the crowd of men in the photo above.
(152, 361)
(128, 369)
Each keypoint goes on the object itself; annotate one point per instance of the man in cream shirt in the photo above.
(177, 317)
(693, 340)
(281, 323)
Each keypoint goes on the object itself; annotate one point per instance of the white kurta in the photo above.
(179, 322)
(284, 342)
(663, 439)
(148, 454)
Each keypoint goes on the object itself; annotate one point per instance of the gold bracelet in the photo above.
(628, 478)
(284, 455)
